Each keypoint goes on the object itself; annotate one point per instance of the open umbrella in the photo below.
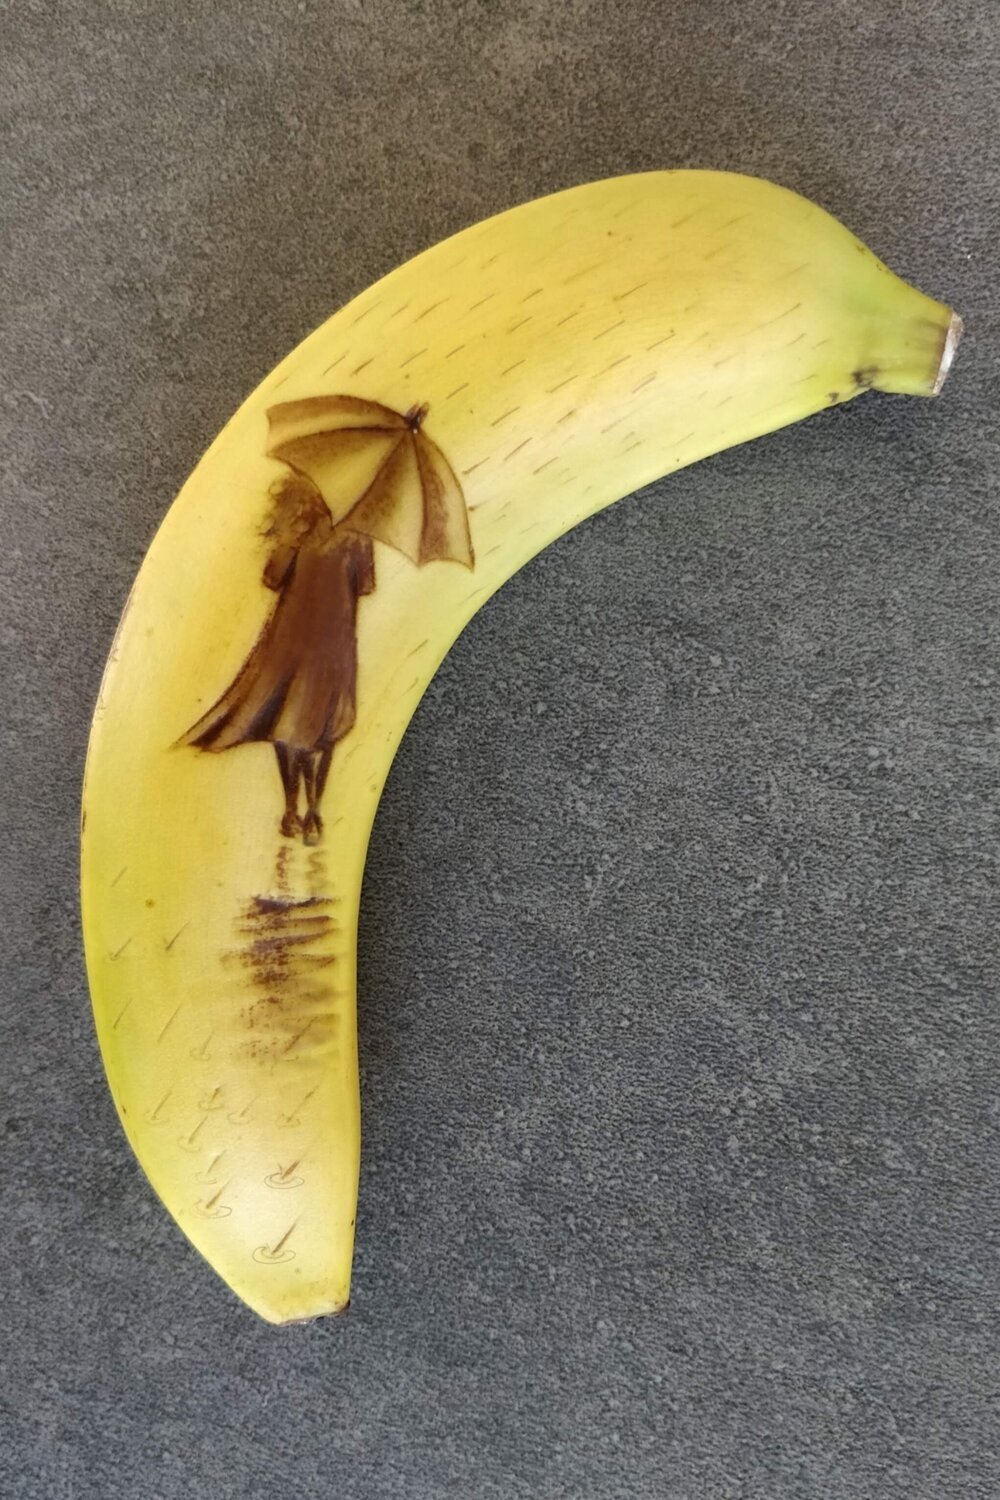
(377, 472)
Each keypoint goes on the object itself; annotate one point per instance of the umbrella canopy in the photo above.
(377, 472)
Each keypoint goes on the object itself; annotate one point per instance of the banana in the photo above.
(363, 503)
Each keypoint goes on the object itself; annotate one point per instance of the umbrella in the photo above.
(378, 473)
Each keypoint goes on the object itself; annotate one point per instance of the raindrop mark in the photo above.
(397, 312)
(473, 467)
(620, 297)
(574, 314)
(517, 449)
(201, 1054)
(796, 340)
(614, 423)
(302, 1031)
(339, 360)
(648, 381)
(481, 301)
(548, 462)
(168, 1024)
(515, 326)
(243, 1117)
(362, 366)
(118, 877)
(411, 357)
(167, 946)
(614, 364)
(417, 648)
(114, 1025)
(605, 331)
(283, 1178)
(666, 339)
(457, 391)
(553, 388)
(211, 1101)
(211, 1208)
(207, 1176)
(270, 1255)
(456, 350)
(514, 366)
(496, 423)
(119, 951)
(190, 1142)
(777, 317)
(154, 1116)
(718, 363)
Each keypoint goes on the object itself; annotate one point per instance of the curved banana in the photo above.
(357, 510)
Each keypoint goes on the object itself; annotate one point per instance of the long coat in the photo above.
(298, 684)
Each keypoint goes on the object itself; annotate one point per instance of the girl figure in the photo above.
(296, 689)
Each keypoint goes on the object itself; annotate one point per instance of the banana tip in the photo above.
(951, 340)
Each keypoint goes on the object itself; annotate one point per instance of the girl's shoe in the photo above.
(291, 825)
(312, 828)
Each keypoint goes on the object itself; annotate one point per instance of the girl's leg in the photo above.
(291, 824)
(316, 772)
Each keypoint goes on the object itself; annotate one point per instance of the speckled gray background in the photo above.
(679, 961)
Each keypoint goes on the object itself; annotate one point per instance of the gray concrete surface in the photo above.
(679, 1012)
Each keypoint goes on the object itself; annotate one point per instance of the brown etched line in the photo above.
(711, 254)
(292, 1118)
(551, 390)
(685, 439)
(796, 340)
(615, 363)
(491, 550)
(397, 312)
(536, 293)
(114, 1024)
(339, 360)
(533, 527)
(292, 1041)
(283, 1178)
(605, 331)
(777, 318)
(622, 211)
(409, 689)
(725, 400)
(516, 365)
(428, 310)
(684, 218)
(212, 1101)
(730, 222)
(548, 462)
(417, 648)
(457, 391)
(168, 1024)
(804, 378)
(167, 946)
(620, 296)
(793, 272)
(648, 381)
(496, 423)
(585, 272)
(613, 424)
(637, 444)
(118, 877)
(665, 340)
(411, 357)
(485, 263)
(363, 315)
(242, 1116)
(284, 1238)
(362, 366)
(456, 350)
(211, 1208)
(575, 314)
(718, 363)
(473, 467)
(515, 326)
(482, 300)
(566, 415)
(281, 382)
(516, 450)
(119, 951)
(820, 344)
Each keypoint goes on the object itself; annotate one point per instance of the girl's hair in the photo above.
(295, 502)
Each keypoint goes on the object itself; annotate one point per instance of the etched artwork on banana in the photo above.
(366, 500)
